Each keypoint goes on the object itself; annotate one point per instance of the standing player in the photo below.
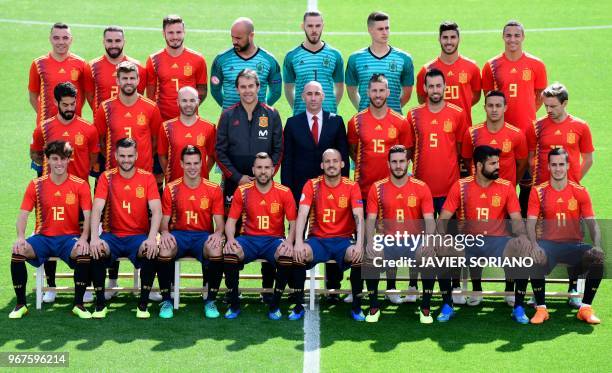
(313, 60)
(187, 129)
(173, 68)
(370, 133)
(128, 193)
(262, 206)
(190, 205)
(559, 206)
(399, 203)
(58, 198)
(462, 74)
(379, 58)
(333, 207)
(244, 55)
(56, 67)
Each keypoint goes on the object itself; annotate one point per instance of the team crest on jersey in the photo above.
(70, 198)
(572, 204)
(412, 201)
(506, 146)
(263, 122)
(140, 192)
(141, 119)
(343, 202)
(259, 67)
(392, 133)
(79, 139)
(463, 77)
(496, 201)
(393, 66)
(201, 140)
(571, 138)
(526, 74)
(204, 203)
(448, 126)
(326, 62)
(274, 208)
(74, 74)
(187, 70)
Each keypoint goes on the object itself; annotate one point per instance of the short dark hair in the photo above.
(60, 26)
(513, 23)
(58, 147)
(312, 13)
(171, 19)
(484, 152)
(126, 67)
(247, 73)
(558, 151)
(397, 149)
(433, 72)
(448, 26)
(113, 29)
(190, 150)
(557, 90)
(495, 94)
(378, 78)
(126, 142)
(65, 89)
(377, 16)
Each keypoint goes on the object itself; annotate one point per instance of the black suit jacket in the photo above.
(302, 157)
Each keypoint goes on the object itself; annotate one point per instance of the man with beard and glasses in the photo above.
(371, 133)
(398, 203)
(263, 206)
(173, 68)
(483, 202)
(313, 60)
(333, 207)
(104, 68)
(187, 129)
(461, 73)
(122, 201)
(244, 55)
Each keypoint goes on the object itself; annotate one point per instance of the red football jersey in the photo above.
(127, 210)
(174, 136)
(331, 208)
(169, 74)
(509, 139)
(263, 214)
(462, 79)
(373, 138)
(518, 80)
(104, 77)
(192, 209)
(82, 136)
(57, 206)
(573, 135)
(141, 121)
(436, 137)
(482, 210)
(560, 211)
(400, 209)
(46, 72)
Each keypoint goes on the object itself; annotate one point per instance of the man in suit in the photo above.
(306, 136)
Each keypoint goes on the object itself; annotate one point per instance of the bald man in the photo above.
(187, 129)
(244, 54)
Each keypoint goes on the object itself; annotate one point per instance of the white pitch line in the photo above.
(331, 33)
(312, 338)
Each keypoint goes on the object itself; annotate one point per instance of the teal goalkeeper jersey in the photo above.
(325, 66)
(396, 65)
(228, 64)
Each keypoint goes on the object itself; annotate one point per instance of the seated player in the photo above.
(57, 197)
(398, 203)
(128, 193)
(482, 203)
(559, 206)
(190, 204)
(333, 206)
(262, 205)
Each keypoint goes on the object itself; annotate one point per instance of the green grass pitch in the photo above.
(480, 339)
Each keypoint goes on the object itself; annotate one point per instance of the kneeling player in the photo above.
(128, 194)
(262, 205)
(190, 204)
(560, 205)
(483, 201)
(336, 209)
(57, 198)
(398, 203)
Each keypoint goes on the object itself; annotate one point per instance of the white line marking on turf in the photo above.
(332, 33)
(312, 5)
(312, 337)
